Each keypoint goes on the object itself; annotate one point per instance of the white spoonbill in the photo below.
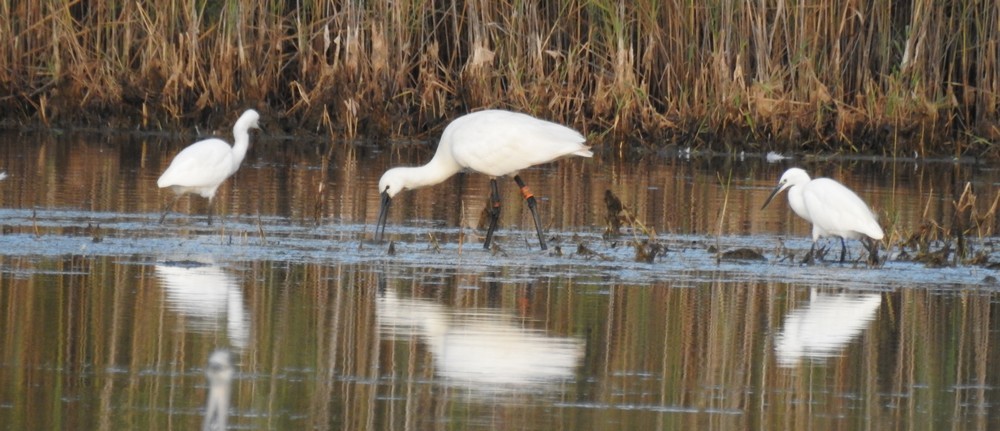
(494, 142)
(833, 209)
(204, 165)
(220, 380)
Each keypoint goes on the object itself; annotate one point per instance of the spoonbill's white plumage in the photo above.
(203, 166)
(220, 380)
(833, 209)
(494, 142)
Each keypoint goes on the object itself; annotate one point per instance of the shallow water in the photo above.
(109, 317)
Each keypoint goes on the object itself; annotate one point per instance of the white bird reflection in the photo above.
(220, 385)
(824, 326)
(209, 297)
(482, 349)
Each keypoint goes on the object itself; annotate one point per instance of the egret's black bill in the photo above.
(383, 213)
(773, 194)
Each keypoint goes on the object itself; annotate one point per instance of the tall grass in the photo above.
(881, 76)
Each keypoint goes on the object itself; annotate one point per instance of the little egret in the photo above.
(833, 209)
(220, 380)
(494, 142)
(203, 166)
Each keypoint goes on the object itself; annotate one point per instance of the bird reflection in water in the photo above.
(209, 297)
(824, 326)
(220, 380)
(482, 350)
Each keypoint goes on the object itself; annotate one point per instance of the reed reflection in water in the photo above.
(481, 349)
(98, 343)
(825, 325)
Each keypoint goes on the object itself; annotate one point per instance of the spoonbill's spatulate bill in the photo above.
(220, 381)
(833, 209)
(203, 166)
(496, 143)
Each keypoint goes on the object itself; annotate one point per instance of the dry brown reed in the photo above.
(953, 242)
(882, 76)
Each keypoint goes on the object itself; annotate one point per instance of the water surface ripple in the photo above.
(109, 317)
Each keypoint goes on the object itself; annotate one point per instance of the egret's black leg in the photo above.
(210, 212)
(843, 250)
(494, 212)
(531, 205)
(166, 208)
(809, 259)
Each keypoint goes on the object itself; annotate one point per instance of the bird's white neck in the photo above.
(797, 202)
(434, 172)
(241, 135)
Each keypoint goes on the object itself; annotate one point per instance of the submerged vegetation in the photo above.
(885, 77)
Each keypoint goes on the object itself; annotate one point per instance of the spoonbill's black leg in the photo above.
(531, 205)
(494, 212)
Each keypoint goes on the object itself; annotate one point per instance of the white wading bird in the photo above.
(833, 209)
(496, 143)
(204, 165)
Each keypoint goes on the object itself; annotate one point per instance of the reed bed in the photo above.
(883, 76)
